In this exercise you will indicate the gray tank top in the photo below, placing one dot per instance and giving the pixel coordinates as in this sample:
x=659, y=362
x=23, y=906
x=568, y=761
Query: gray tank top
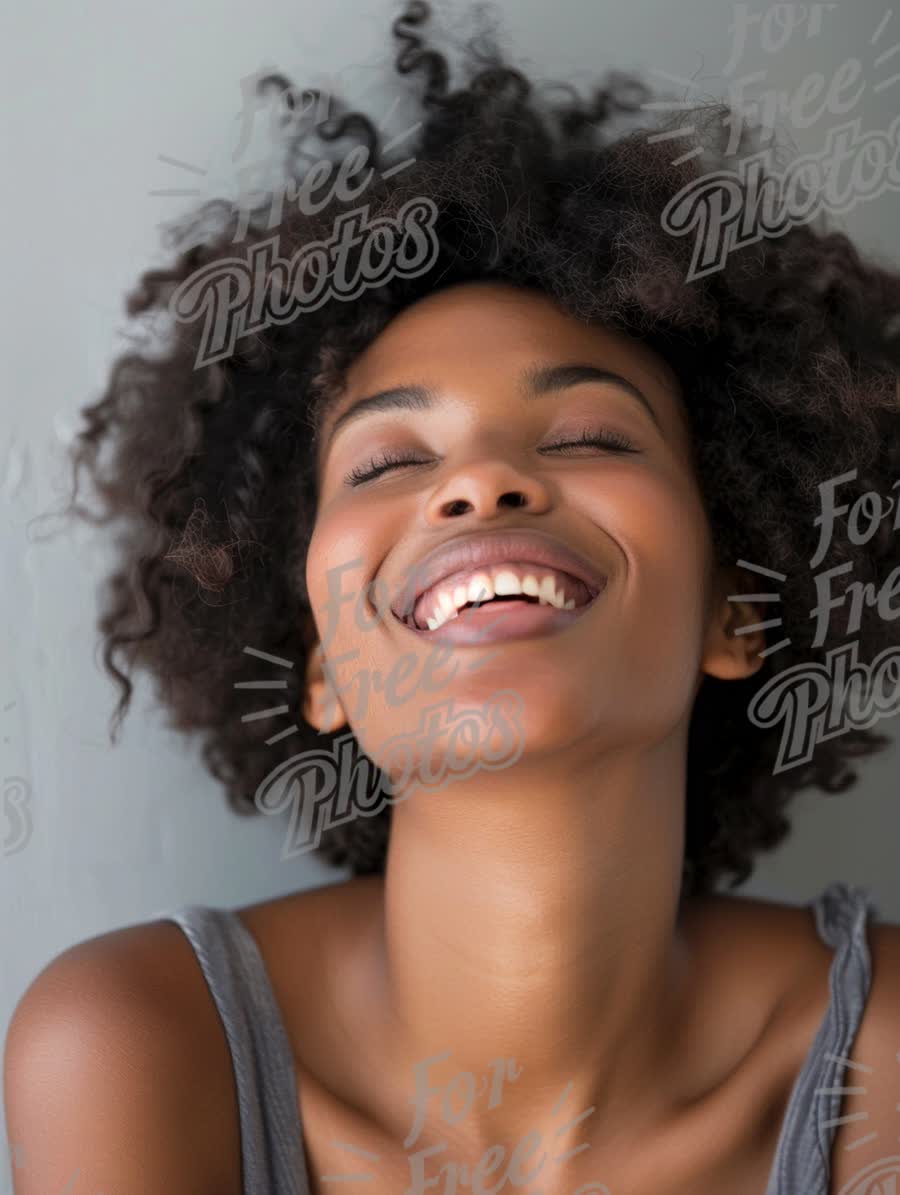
x=273, y=1158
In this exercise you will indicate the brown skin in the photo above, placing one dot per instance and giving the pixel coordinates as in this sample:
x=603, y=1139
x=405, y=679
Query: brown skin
x=762, y=981
x=530, y=912
x=569, y=861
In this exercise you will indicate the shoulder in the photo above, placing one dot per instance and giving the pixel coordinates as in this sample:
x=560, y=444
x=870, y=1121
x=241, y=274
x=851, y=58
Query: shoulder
x=308, y=928
x=777, y=944
x=116, y=1066
x=326, y=932
x=772, y=951
x=763, y=952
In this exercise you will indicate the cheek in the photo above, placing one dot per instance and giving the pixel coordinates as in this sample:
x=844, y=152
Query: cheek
x=340, y=562
x=659, y=523
x=656, y=515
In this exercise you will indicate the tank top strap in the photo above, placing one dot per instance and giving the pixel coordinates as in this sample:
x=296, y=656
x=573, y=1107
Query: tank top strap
x=803, y=1157
x=272, y=1157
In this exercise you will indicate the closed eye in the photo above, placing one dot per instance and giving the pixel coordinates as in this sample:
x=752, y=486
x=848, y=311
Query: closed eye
x=611, y=441
x=380, y=464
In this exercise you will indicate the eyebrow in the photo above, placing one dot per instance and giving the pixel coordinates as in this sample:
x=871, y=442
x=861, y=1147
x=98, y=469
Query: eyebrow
x=536, y=380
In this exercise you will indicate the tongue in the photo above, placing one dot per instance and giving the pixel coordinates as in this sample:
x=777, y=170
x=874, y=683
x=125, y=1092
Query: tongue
x=503, y=601
x=493, y=606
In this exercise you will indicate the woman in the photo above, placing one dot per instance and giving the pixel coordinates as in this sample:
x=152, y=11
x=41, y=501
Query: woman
x=486, y=518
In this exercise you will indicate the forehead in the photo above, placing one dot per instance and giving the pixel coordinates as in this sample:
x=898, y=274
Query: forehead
x=468, y=332
x=489, y=318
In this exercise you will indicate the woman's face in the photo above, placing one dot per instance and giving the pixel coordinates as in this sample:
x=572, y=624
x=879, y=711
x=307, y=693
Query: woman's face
x=491, y=456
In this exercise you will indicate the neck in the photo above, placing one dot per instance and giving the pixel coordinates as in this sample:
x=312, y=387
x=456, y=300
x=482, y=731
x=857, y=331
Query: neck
x=533, y=915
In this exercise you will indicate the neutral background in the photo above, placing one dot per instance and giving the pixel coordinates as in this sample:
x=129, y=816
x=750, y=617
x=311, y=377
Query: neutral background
x=95, y=93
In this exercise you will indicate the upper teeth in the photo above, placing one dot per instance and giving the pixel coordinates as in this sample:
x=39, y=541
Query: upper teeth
x=483, y=586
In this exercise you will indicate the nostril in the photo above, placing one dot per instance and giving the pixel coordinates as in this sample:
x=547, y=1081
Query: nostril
x=459, y=506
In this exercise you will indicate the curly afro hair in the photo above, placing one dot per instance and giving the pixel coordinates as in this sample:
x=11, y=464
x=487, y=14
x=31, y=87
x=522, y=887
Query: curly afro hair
x=787, y=355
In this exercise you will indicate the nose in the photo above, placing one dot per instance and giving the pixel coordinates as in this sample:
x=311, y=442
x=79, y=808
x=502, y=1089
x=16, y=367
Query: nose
x=485, y=487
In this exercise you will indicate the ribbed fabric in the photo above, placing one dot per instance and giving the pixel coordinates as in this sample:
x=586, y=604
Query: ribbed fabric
x=803, y=1157
x=272, y=1155
x=272, y=1159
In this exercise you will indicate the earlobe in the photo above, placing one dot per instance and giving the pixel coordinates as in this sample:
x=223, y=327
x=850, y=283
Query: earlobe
x=322, y=707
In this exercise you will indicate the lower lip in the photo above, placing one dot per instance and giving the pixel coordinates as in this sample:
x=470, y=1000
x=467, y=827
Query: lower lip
x=498, y=621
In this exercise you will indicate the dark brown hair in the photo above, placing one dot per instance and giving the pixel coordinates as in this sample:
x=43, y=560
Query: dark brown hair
x=788, y=357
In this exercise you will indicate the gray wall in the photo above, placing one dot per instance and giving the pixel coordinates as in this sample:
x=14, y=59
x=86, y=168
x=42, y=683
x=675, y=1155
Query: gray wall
x=94, y=93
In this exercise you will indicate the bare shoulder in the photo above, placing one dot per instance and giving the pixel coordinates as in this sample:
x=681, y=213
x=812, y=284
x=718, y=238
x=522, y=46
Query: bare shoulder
x=769, y=928
x=758, y=935
x=298, y=930
x=756, y=916
x=763, y=952
x=116, y=1067
x=325, y=932
x=310, y=931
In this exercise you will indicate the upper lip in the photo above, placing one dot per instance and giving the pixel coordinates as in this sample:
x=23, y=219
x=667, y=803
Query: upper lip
x=475, y=549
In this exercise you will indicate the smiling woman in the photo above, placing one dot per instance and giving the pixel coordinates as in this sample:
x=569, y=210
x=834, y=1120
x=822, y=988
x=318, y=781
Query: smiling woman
x=542, y=476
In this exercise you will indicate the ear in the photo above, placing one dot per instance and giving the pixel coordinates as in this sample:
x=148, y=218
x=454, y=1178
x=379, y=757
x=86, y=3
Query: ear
x=731, y=652
x=322, y=707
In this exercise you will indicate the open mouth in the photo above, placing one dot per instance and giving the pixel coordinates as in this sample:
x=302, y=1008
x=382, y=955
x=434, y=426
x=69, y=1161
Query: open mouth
x=514, y=595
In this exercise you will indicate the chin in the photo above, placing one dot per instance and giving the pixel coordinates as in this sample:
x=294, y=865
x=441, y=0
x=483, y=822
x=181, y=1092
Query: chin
x=474, y=728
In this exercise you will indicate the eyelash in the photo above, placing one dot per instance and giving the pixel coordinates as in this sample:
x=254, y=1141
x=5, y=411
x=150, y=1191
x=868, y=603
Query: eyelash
x=612, y=441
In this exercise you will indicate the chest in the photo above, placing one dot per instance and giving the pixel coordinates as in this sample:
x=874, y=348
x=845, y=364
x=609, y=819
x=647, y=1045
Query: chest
x=344, y=1150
